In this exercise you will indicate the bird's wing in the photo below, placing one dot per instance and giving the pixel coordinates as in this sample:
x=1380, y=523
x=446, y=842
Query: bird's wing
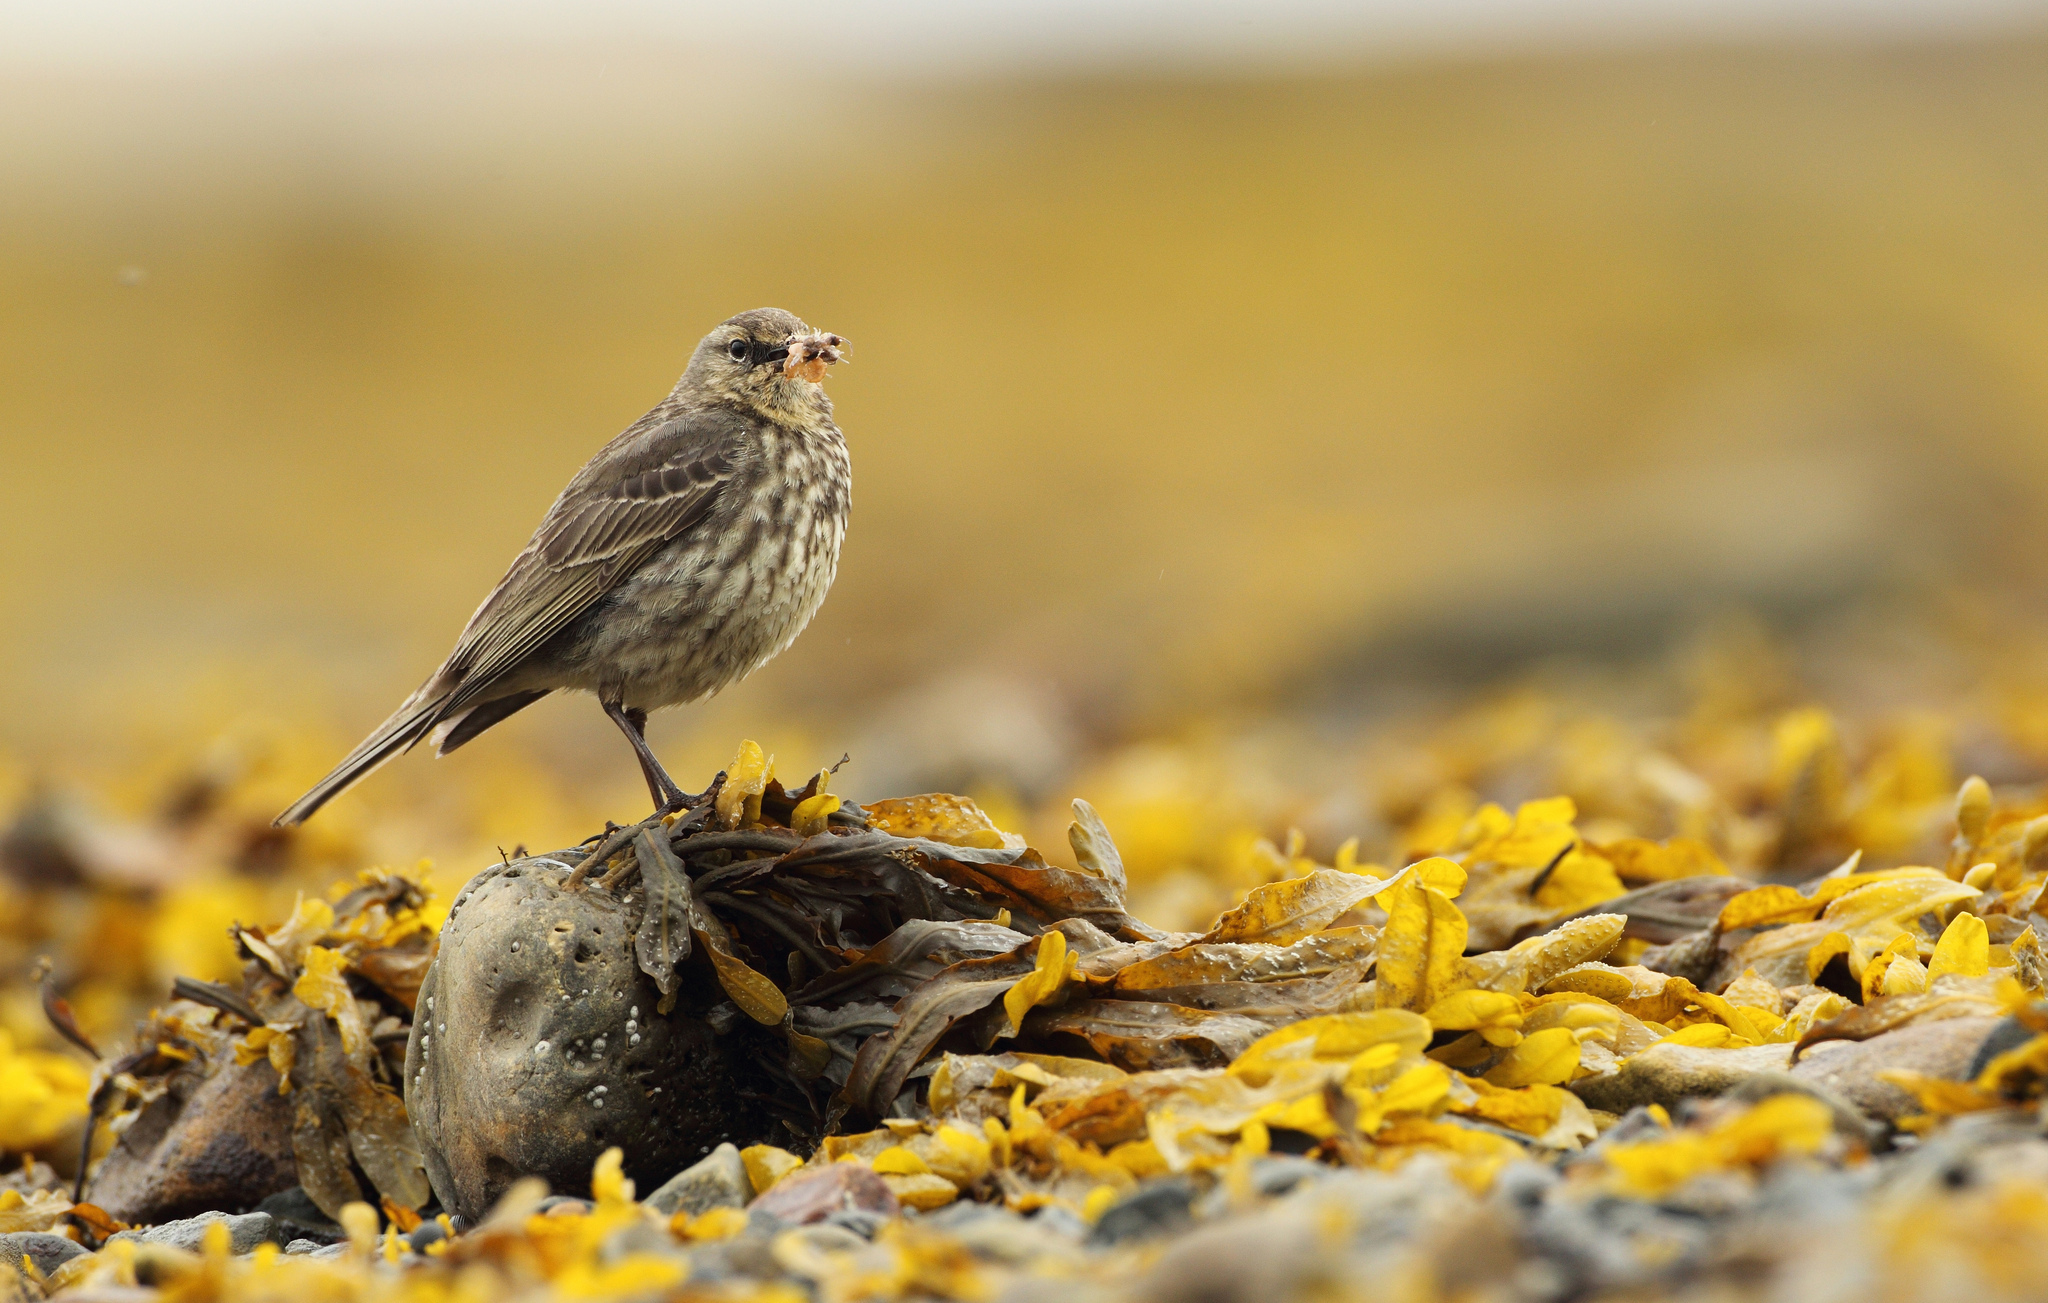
x=641, y=492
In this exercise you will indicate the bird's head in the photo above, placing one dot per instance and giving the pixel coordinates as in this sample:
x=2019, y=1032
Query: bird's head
x=768, y=359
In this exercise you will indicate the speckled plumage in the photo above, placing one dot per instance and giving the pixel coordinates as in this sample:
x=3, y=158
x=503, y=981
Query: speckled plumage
x=687, y=553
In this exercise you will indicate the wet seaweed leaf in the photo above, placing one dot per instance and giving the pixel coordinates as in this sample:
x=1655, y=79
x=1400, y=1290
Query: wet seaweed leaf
x=662, y=941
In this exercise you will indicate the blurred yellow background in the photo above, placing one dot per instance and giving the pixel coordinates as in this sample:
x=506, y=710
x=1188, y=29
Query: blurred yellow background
x=1181, y=400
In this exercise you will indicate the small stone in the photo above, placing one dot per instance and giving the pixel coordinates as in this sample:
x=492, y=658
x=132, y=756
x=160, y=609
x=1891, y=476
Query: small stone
x=1156, y=1208
x=301, y=1247
x=298, y=1217
x=244, y=1232
x=47, y=1251
x=864, y=1224
x=1665, y=1074
x=827, y=1238
x=220, y=1141
x=563, y=1205
x=428, y=1232
x=811, y=1195
x=1946, y=1048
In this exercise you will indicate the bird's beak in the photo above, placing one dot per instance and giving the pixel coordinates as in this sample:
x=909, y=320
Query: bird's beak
x=809, y=355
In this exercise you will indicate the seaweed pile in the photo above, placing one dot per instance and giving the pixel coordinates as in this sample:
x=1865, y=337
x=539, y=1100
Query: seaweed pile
x=1535, y=1064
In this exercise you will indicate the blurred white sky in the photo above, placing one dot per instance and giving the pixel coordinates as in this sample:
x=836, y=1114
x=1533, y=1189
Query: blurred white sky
x=939, y=35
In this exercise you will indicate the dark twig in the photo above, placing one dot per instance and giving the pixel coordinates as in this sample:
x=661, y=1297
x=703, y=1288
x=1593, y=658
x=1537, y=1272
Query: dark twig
x=58, y=1010
x=750, y=839
x=1536, y=883
x=616, y=841
x=217, y=996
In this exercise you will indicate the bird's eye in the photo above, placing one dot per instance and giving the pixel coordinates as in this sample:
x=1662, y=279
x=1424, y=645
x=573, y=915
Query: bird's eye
x=738, y=349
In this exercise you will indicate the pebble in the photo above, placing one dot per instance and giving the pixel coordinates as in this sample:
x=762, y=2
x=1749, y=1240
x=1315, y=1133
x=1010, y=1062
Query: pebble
x=245, y=1232
x=717, y=1181
x=47, y=1251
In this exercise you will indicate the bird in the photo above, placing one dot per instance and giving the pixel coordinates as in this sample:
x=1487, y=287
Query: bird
x=687, y=553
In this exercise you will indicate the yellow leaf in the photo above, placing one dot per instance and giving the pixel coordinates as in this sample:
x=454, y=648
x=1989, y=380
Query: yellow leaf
x=898, y=1161
x=1964, y=949
x=1639, y=860
x=275, y=1042
x=1418, y=1090
x=1782, y=1124
x=1529, y=965
x=936, y=816
x=757, y=997
x=1280, y=913
x=962, y=1157
x=922, y=1191
x=1422, y=947
x=1464, y=1011
x=1531, y=1110
x=1141, y=1158
x=746, y=778
x=1905, y=976
x=1701, y=1035
x=716, y=1224
x=1906, y=943
x=1548, y=1058
x=322, y=986
x=1331, y=1038
x=40, y=1210
x=1772, y=904
x=811, y=814
x=1580, y=881
x=634, y=1275
x=1939, y=1095
x=1052, y=970
x=766, y=1165
x=608, y=1184
x=1824, y=951
x=1539, y=830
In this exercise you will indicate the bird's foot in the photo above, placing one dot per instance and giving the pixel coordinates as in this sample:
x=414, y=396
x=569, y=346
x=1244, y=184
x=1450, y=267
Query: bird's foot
x=676, y=803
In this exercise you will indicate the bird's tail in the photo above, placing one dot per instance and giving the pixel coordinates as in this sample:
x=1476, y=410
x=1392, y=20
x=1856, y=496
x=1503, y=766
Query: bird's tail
x=407, y=725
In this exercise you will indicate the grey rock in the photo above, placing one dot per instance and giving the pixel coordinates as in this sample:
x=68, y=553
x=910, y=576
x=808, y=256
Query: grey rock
x=1946, y=1048
x=966, y=1212
x=1013, y=1240
x=424, y=1234
x=537, y=1045
x=295, y=1205
x=1665, y=1074
x=718, y=1180
x=2010, y=1034
x=206, y=1143
x=1271, y=1175
x=301, y=1247
x=861, y=1222
x=298, y=1217
x=1155, y=1208
x=1277, y=1174
x=826, y=1238
x=1056, y=1220
x=813, y=1194
x=563, y=1205
x=47, y=1251
x=245, y=1232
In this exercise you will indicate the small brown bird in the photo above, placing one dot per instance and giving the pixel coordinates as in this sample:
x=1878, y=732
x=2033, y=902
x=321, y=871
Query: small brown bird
x=690, y=551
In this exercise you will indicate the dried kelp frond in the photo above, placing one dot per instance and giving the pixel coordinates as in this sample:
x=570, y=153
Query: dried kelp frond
x=325, y=1000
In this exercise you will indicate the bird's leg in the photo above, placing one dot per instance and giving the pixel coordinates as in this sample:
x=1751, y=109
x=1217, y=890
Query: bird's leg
x=664, y=791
